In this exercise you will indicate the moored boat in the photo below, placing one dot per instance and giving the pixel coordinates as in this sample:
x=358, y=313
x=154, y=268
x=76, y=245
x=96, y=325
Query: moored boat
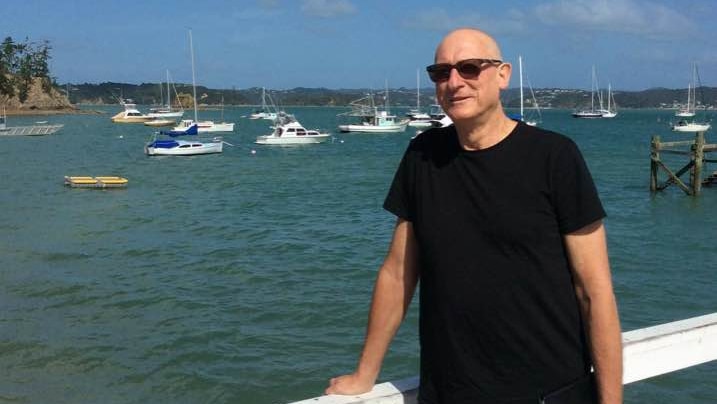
x=130, y=114
x=288, y=131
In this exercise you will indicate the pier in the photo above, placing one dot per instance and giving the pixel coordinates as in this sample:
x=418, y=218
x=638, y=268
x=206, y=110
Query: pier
x=697, y=150
x=647, y=352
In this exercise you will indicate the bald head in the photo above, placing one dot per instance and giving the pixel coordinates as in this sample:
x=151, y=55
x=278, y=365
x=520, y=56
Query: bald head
x=467, y=40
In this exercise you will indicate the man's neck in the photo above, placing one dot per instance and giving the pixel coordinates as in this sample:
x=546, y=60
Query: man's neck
x=484, y=132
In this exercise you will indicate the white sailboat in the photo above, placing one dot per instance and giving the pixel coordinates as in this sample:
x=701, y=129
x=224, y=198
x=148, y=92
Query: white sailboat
x=417, y=118
x=593, y=112
x=166, y=111
x=265, y=112
x=688, y=110
x=178, y=147
x=532, y=121
x=611, y=110
x=694, y=125
x=202, y=126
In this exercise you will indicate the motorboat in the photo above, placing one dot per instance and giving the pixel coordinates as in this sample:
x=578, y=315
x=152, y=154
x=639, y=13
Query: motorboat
x=684, y=126
x=130, y=114
x=371, y=118
x=288, y=131
x=206, y=126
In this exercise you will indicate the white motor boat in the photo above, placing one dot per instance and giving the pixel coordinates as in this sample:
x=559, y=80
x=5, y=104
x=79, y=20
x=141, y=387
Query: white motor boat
x=288, y=131
x=378, y=122
x=684, y=126
x=130, y=114
x=206, y=126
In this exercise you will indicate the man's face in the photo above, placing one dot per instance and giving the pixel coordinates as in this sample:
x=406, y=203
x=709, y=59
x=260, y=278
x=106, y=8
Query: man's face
x=467, y=97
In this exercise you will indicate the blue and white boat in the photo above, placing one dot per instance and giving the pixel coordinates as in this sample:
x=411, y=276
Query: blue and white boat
x=179, y=147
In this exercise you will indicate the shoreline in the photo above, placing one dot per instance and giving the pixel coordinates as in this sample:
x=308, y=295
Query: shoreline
x=63, y=111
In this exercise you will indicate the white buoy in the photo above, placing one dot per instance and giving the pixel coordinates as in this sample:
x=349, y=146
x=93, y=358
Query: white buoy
x=253, y=152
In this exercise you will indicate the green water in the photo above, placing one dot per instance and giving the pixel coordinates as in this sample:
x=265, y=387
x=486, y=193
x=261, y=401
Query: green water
x=245, y=277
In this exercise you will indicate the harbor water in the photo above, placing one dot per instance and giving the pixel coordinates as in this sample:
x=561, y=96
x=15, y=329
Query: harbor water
x=245, y=277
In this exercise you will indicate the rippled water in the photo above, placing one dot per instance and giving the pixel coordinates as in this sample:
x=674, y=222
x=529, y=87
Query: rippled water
x=245, y=277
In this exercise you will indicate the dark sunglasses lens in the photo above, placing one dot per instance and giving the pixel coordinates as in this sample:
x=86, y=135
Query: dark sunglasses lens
x=439, y=72
x=468, y=70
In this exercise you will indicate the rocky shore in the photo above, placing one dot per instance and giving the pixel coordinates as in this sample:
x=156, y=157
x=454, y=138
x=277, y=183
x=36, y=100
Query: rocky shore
x=39, y=102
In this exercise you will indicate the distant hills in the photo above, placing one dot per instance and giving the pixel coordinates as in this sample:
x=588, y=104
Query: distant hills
x=149, y=93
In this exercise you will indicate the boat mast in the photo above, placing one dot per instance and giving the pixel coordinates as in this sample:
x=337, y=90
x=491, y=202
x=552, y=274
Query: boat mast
x=520, y=70
x=418, y=92
x=169, y=95
x=194, y=84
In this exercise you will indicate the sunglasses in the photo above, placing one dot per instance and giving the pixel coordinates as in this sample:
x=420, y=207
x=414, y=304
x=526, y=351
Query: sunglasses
x=469, y=69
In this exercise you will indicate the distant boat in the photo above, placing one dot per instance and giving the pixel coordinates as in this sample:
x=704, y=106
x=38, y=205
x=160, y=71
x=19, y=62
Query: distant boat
x=264, y=112
x=130, y=114
x=177, y=147
x=288, y=131
x=694, y=125
x=611, y=110
x=417, y=118
x=688, y=110
x=203, y=126
x=166, y=111
x=533, y=121
x=371, y=118
x=32, y=130
x=593, y=112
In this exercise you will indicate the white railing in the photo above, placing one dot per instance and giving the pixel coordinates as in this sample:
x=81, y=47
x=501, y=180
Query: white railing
x=647, y=352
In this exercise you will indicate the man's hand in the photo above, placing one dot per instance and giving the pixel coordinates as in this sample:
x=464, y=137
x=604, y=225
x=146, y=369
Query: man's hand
x=349, y=385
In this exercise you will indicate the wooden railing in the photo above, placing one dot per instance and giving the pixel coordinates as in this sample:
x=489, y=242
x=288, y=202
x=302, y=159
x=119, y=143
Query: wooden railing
x=647, y=352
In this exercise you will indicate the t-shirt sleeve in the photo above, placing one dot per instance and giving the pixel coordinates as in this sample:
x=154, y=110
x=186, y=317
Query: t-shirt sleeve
x=398, y=200
x=573, y=191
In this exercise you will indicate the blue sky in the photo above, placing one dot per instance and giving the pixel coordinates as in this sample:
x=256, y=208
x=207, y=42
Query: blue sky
x=279, y=44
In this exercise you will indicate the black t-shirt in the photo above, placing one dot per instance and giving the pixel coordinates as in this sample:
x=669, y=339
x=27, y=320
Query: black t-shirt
x=499, y=320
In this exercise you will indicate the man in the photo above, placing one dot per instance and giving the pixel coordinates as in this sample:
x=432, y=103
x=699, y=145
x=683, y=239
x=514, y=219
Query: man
x=502, y=224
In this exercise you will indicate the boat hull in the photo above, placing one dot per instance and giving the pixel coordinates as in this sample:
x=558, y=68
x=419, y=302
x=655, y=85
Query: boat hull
x=373, y=128
x=184, y=148
x=291, y=140
x=692, y=127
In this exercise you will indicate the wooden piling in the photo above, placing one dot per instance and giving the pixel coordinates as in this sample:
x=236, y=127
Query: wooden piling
x=695, y=165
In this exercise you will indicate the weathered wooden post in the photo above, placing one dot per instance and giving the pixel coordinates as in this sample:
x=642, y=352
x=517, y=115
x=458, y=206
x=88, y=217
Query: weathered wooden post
x=698, y=155
x=654, y=158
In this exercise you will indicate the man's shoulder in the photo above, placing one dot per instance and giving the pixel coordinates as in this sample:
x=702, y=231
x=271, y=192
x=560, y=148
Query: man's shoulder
x=434, y=138
x=544, y=138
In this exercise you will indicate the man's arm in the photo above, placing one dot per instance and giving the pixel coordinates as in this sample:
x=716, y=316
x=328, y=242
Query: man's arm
x=587, y=251
x=395, y=283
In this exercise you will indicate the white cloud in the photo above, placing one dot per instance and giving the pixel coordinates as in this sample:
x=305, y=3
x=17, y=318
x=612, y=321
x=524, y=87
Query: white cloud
x=327, y=8
x=624, y=16
x=438, y=19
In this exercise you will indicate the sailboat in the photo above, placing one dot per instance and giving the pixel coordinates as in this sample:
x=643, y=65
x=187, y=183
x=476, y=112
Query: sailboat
x=531, y=122
x=176, y=147
x=166, y=111
x=693, y=126
x=592, y=112
x=688, y=110
x=203, y=126
x=611, y=110
x=264, y=112
x=417, y=118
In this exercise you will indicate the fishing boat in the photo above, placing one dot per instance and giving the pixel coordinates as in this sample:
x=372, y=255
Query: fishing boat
x=130, y=114
x=203, y=126
x=166, y=111
x=371, y=118
x=288, y=131
x=265, y=112
x=31, y=130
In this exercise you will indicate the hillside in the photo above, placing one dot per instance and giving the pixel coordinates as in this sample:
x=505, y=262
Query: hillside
x=37, y=100
x=149, y=93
